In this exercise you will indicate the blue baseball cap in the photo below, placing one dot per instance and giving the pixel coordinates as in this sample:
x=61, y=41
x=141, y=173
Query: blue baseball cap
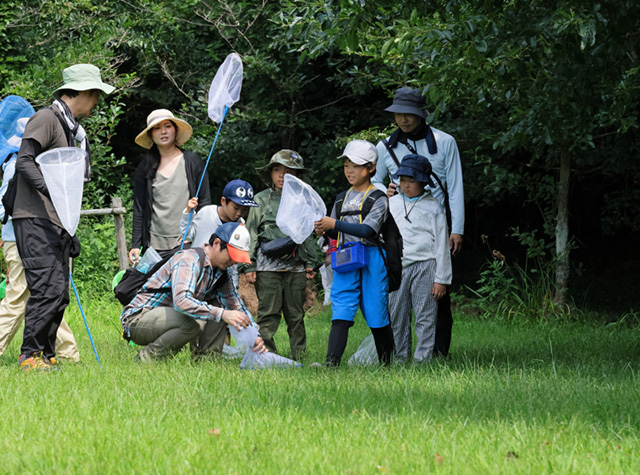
x=416, y=167
x=239, y=191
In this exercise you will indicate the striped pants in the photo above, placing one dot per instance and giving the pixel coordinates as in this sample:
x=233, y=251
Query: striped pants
x=414, y=292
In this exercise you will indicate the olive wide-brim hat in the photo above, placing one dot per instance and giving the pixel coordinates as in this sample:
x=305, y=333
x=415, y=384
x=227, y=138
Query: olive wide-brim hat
x=409, y=101
x=288, y=158
x=183, y=132
x=82, y=77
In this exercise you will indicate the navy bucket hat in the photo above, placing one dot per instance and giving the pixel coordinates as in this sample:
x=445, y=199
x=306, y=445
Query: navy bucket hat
x=416, y=167
x=409, y=101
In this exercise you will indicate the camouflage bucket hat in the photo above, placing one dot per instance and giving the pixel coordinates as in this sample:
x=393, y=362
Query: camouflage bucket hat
x=288, y=158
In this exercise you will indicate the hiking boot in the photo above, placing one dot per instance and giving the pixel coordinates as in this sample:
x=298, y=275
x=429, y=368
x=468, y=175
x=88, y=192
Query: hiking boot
x=53, y=361
x=142, y=357
x=32, y=363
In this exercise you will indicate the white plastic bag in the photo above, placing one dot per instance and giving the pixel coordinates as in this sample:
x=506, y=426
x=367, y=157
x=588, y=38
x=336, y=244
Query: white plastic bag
x=299, y=207
x=366, y=355
x=253, y=359
x=63, y=171
x=233, y=352
x=225, y=87
x=326, y=274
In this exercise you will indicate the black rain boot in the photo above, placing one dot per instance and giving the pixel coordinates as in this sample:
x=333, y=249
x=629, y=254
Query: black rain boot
x=384, y=343
x=337, y=341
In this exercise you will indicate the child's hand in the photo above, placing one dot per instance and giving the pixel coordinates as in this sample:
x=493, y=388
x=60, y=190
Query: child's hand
x=310, y=273
x=324, y=225
x=192, y=204
x=438, y=291
x=251, y=277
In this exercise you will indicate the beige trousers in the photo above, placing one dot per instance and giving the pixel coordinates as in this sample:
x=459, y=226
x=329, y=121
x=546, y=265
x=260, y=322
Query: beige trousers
x=14, y=303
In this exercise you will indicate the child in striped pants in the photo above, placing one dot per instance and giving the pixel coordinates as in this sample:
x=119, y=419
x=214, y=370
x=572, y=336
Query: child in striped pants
x=426, y=260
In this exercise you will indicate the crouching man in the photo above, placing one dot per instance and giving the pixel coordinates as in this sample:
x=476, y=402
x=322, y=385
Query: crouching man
x=163, y=315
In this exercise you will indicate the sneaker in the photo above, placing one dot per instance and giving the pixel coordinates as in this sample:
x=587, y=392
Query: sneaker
x=53, y=361
x=32, y=363
x=142, y=357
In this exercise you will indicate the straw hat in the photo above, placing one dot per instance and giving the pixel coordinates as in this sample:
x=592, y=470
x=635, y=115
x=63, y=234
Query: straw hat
x=82, y=77
x=182, y=134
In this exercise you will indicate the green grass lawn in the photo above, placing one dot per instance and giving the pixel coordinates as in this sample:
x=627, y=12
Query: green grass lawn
x=533, y=398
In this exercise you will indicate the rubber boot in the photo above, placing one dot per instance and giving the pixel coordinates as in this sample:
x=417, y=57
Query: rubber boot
x=337, y=341
x=384, y=343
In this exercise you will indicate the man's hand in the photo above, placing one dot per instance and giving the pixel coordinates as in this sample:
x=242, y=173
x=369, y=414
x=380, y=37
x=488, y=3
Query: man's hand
x=134, y=255
x=236, y=318
x=251, y=277
x=324, y=225
x=259, y=347
x=438, y=291
x=455, y=243
x=391, y=189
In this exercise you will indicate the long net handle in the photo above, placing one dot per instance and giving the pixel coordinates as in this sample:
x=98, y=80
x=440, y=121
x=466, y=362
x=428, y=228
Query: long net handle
x=75, y=291
x=206, y=165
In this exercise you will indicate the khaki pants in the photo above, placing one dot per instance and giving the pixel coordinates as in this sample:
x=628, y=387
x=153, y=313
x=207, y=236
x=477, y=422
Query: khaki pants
x=163, y=331
x=282, y=293
x=13, y=305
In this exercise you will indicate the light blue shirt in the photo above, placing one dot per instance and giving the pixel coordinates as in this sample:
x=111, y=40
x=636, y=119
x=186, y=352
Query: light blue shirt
x=9, y=169
x=445, y=164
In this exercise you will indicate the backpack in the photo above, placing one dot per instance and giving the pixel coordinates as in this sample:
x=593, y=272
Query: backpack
x=133, y=280
x=9, y=198
x=388, y=239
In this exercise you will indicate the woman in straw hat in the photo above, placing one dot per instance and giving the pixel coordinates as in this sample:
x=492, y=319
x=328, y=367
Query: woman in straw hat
x=164, y=182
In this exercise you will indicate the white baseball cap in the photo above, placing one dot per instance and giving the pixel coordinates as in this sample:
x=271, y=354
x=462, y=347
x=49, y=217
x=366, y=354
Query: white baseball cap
x=360, y=152
x=238, y=240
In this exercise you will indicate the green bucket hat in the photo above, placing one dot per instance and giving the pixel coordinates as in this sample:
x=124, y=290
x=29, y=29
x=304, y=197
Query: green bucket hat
x=286, y=157
x=82, y=77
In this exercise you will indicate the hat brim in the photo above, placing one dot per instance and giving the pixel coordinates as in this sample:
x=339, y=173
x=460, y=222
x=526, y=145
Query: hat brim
x=356, y=160
x=243, y=202
x=403, y=109
x=183, y=134
x=416, y=175
x=264, y=173
x=238, y=255
x=84, y=86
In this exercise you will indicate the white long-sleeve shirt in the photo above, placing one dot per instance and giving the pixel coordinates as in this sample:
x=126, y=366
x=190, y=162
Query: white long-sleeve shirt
x=423, y=226
x=445, y=164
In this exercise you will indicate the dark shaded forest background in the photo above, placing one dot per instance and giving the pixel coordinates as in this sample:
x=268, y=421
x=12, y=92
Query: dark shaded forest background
x=529, y=90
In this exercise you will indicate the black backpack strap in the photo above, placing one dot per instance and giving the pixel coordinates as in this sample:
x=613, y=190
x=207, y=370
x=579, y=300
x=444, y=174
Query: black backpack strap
x=70, y=138
x=447, y=207
x=385, y=142
x=338, y=204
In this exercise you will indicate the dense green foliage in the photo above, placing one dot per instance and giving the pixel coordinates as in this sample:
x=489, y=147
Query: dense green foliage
x=537, y=398
x=524, y=86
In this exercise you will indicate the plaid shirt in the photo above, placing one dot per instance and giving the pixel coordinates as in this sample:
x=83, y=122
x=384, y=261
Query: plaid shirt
x=191, y=292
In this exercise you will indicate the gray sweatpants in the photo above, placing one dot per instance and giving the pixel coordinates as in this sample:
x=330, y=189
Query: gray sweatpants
x=414, y=292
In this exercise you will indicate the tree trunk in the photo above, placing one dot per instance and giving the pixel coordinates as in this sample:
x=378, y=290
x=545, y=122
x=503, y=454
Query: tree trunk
x=562, y=232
